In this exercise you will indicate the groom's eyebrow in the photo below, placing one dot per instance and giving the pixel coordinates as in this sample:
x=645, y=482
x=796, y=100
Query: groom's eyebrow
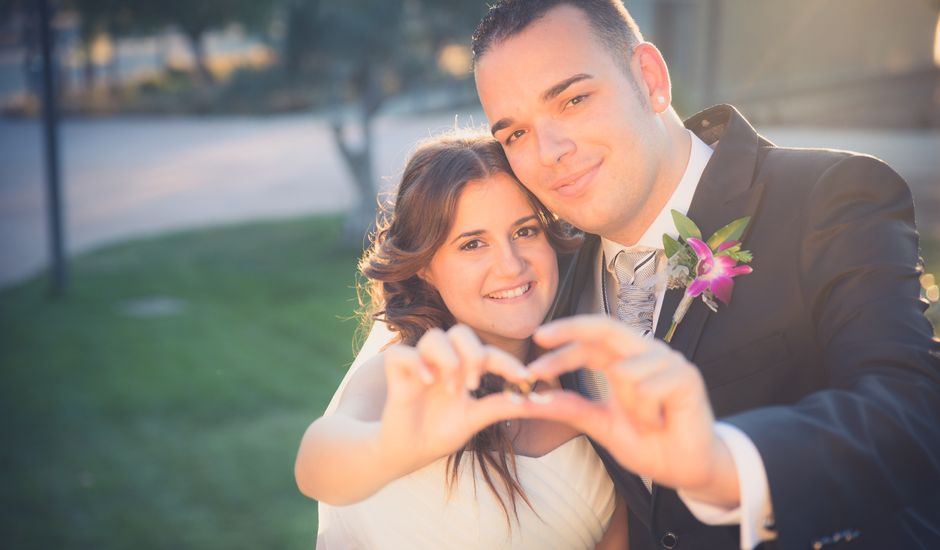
x=557, y=89
x=548, y=95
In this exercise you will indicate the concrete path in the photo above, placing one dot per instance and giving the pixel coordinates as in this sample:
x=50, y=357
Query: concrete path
x=129, y=177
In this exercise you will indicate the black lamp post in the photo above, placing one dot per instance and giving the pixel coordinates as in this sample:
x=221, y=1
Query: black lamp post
x=51, y=138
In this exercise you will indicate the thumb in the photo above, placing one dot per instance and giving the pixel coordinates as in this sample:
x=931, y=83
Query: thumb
x=493, y=408
x=569, y=408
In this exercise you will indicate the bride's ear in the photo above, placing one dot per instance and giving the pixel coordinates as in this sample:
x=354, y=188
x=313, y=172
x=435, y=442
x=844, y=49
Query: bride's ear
x=425, y=276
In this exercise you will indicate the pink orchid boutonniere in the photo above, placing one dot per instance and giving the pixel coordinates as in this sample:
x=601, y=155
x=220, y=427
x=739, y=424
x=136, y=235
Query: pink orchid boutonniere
x=704, y=268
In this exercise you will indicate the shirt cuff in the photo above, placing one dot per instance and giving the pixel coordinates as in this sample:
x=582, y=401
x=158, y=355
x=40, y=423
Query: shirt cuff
x=755, y=514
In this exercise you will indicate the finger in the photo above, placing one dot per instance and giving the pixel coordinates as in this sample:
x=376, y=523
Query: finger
x=435, y=349
x=554, y=363
x=595, y=329
x=573, y=356
x=494, y=407
x=504, y=364
x=672, y=390
x=471, y=353
x=570, y=408
x=643, y=385
x=404, y=361
x=634, y=369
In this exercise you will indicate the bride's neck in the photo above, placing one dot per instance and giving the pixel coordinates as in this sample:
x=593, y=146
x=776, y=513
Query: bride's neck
x=517, y=348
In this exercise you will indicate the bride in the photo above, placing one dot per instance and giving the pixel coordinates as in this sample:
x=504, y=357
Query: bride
x=420, y=447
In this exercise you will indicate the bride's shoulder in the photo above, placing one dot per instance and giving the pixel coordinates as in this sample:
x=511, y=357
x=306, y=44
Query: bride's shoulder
x=362, y=394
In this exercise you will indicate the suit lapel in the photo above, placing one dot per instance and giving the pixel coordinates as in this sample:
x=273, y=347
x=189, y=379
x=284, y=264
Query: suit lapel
x=726, y=191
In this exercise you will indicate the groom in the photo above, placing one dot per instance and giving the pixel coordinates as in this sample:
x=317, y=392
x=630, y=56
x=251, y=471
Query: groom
x=822, y=370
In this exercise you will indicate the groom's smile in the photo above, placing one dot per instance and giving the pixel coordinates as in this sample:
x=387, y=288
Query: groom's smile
x=576, y=183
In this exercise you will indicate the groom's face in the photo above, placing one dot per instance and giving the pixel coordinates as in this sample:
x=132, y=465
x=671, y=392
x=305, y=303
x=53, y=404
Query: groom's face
x=574, y=121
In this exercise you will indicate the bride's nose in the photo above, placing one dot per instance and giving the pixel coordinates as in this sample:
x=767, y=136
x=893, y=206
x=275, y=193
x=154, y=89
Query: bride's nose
x=509, y=262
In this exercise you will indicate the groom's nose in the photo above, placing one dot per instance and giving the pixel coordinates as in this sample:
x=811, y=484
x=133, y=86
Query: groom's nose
x=553, y=142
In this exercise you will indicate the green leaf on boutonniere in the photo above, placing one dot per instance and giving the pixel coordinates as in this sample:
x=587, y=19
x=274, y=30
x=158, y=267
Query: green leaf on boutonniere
x=742, y=256
x=670, y=246
x=687, y=228
x=730, y=232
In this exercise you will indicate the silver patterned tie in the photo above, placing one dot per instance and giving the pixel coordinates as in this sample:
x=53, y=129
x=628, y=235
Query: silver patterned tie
x=636, y=301
x=636, y=289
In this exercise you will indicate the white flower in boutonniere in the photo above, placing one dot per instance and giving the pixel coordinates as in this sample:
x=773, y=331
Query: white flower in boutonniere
x=704, y=268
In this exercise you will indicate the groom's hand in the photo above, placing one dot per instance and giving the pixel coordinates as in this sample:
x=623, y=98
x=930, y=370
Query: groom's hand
x=657, y=421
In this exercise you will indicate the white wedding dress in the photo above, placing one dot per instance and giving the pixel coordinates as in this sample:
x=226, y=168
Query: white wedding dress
x=571, y=494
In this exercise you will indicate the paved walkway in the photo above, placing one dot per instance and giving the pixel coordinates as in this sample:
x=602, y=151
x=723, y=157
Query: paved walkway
x=128, y=177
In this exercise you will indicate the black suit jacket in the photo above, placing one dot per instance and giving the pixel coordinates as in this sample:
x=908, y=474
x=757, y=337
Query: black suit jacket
x=824, y=357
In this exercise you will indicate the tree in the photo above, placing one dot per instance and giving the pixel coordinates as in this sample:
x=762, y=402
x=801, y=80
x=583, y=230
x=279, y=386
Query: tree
x=196, y=18
x=114, y=18
x=368, y=51
x=364, y=52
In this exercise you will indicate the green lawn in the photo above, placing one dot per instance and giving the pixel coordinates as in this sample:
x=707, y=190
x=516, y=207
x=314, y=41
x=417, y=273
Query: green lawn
x=176, y=431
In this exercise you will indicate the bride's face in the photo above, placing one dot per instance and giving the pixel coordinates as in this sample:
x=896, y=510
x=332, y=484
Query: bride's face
x=496, y=270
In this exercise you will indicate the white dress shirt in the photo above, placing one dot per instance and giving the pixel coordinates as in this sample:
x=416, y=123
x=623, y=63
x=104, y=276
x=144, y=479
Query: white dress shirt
x=756, y=510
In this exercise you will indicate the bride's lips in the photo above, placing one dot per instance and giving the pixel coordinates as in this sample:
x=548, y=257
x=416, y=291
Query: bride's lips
x=574, y=184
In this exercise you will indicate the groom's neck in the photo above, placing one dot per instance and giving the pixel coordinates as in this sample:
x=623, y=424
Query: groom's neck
x=674, y=161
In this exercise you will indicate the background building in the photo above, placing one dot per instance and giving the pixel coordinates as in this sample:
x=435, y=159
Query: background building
x=825, y=62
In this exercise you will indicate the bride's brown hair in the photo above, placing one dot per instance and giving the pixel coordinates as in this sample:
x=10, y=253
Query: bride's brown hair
x=408, y=232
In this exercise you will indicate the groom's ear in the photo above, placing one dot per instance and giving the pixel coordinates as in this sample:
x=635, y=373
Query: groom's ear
x=652, y=76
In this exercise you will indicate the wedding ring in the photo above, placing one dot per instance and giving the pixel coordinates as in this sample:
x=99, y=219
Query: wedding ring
x=523, y=388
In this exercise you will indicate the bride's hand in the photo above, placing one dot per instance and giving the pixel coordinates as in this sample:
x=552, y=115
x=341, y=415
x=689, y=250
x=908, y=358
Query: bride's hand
x=429, y=411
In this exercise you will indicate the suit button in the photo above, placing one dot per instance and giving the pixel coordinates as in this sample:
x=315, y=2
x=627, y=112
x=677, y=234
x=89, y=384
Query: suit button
x=669, y=541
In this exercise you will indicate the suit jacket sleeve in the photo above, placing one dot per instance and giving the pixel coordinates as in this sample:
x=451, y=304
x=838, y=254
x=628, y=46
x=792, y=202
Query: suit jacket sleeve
x=868, y=445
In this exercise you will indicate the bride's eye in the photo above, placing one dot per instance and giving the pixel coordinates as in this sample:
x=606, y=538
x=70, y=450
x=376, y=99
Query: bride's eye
x=471, y=244
x=528, y=231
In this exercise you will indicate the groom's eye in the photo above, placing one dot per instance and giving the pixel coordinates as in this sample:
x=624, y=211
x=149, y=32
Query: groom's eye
x=514, y=136
x=576, y=100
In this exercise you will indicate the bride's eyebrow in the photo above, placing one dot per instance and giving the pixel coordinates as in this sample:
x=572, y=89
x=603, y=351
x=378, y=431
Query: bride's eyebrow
x=465, y=234
x=478, y=232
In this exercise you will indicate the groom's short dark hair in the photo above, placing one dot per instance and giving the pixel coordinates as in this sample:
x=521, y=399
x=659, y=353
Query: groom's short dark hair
x=612, y=23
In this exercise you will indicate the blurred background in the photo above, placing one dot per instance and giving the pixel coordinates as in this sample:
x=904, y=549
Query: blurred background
x=217, y=165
